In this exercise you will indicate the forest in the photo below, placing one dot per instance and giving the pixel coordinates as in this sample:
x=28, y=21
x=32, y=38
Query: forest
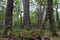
x=29, y=19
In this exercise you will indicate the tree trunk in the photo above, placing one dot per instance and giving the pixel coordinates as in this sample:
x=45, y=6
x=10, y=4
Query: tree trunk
x=26, y=14
x=50, y=16
x=41, y=15
x=8, y=16
x=57, y=17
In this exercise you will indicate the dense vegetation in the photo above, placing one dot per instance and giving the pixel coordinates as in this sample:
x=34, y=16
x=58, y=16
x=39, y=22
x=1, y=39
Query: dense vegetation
x=29, y=19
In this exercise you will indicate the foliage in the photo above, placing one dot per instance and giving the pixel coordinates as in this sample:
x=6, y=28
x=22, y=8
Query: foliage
x=18, y=14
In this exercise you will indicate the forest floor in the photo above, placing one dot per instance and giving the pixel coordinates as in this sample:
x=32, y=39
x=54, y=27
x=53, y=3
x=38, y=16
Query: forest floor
x=21, y=34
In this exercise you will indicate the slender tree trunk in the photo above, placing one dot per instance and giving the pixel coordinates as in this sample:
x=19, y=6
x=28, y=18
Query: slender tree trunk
x=26, y=14
x=40, y=14
x=50, y=16
x=8, y=16
x=57, y=17
x=40, y=17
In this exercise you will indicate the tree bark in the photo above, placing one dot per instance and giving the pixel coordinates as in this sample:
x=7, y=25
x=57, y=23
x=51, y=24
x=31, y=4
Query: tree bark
x=8, y=16
x=50, y=16
x=26, y=14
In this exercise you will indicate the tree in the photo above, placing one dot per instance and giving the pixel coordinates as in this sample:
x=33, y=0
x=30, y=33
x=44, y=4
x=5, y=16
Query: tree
x=8, y=16
x=40, y=14
x=2, y=12
x=49, y=13
x=26, y=13
x=57, y=14
x=41, y=9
